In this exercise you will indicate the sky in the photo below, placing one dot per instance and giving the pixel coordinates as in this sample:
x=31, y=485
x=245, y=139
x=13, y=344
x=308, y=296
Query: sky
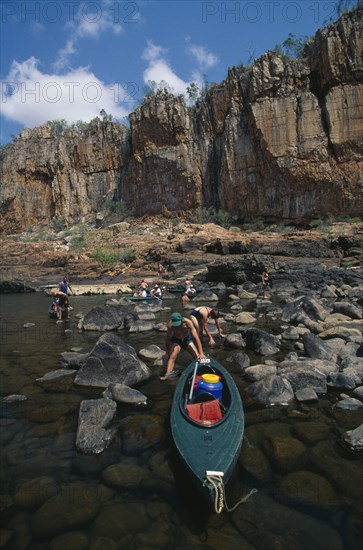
x=70, y=59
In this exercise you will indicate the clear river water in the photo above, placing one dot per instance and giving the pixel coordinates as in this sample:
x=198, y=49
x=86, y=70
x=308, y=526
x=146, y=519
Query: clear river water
x=155, y=507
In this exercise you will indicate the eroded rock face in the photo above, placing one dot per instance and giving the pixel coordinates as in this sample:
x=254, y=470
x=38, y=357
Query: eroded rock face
x=280, y=140
x=45, y=176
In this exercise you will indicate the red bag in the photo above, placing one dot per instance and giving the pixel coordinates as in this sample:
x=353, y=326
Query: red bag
x=208, y=412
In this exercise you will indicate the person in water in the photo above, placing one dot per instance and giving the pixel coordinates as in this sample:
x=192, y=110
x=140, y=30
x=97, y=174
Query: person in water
x=64, y=287
x=61, y=306
x=189, y=292
x=200, y=317
x=181, y=334
x=61, y=298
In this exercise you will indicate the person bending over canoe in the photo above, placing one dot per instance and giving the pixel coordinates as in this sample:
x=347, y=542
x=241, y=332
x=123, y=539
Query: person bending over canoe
x=200, y=316
x=181, y=334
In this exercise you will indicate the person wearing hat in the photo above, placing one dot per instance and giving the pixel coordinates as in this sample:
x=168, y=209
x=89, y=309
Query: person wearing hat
x=156, y=291
x=181, y=334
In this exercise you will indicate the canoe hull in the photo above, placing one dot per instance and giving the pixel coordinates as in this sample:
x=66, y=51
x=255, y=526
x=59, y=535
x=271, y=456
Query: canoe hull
x=141, y=299
x=213, y=447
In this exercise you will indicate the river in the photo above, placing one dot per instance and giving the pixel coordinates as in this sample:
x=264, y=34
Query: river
x=38, y=437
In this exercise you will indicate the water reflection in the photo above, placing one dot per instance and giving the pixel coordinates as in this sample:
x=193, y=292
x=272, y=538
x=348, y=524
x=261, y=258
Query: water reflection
x=136, y=494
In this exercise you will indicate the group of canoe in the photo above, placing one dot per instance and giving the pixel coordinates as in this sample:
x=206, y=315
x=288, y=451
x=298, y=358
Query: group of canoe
x=156, y=292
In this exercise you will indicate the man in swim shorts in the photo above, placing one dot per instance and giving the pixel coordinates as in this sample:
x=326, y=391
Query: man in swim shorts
x=181, y=334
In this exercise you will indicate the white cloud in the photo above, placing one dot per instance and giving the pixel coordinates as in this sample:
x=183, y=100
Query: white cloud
x=90, y=21
x=204, y=58
x=63, y=56
x=159, y=70
x=31, y=97
x=153, y=52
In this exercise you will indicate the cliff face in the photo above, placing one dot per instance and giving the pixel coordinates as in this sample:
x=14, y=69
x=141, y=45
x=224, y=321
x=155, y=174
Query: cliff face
x=279, y=140
x=66, y=177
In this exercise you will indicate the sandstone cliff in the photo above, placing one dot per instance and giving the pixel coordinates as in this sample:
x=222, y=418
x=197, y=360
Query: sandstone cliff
x=280, y=140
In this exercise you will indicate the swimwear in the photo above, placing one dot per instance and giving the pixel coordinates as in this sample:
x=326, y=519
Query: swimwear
x=63, y=287
x=183, y=343
x=197, y=314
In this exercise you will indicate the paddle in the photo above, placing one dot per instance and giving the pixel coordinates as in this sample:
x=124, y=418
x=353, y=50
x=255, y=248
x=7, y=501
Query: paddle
x=193, y=379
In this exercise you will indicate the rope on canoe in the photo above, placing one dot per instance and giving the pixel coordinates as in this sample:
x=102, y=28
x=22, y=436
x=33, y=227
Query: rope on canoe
x=220, y=500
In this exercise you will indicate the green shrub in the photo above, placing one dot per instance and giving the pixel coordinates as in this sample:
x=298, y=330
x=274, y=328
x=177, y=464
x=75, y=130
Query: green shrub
x=78, y=242
x=256, y=226
x=127, y=256
x=106, y=258
x=120, y=208
x=223, y=218
x=58, y=224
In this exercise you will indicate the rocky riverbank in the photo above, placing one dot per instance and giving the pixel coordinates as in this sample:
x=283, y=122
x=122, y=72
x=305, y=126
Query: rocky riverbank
x=297, y=360
x=123, y=253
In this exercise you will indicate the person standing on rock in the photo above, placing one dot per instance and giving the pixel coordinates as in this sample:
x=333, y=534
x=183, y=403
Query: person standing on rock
x=181, y=334
x=200, y=317
x=161, y=270
x=264, y=279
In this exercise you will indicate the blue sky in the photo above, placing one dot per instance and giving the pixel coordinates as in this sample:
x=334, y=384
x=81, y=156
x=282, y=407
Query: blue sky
x=68, y=59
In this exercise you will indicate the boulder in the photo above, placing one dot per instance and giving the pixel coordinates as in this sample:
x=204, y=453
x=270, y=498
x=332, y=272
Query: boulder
x=112, y=361
x=271, y=390
x=103, y=318
x=245, y=318
x=205, y=296
x=260, y=341
x=257, y=372
x=234, y=341
x=313, y=309
x=152, y=352
x=316, y=348
x=346, y=308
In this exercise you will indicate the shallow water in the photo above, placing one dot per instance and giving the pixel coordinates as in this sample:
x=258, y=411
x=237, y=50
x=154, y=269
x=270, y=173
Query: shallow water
x=162, y=510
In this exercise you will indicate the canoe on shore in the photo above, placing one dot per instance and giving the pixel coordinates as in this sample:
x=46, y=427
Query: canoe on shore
x=207, y=432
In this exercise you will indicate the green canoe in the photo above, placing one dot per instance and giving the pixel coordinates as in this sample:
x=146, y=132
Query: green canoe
x=207, y=449
x=181, y=289
x=145, y=299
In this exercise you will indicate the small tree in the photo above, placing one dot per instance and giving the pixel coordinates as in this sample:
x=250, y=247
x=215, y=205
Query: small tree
x=58, y=126
x=294, y=46
x=193, y=92
x=150, y=88
x=105, y=116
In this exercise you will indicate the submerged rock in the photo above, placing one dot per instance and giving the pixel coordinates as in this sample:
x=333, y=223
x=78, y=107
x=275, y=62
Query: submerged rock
x=354, y=438
x=124, y=394
x=94, y=416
